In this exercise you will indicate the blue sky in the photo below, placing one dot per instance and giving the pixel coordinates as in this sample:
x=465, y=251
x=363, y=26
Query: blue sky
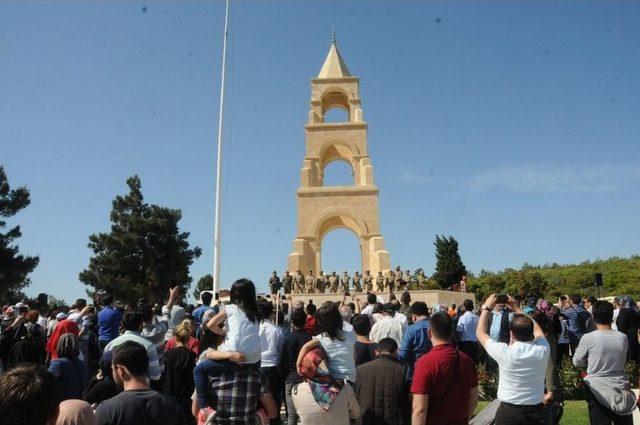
x=511, y=125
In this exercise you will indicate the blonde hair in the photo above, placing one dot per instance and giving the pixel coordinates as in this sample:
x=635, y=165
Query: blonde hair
x=182, y=332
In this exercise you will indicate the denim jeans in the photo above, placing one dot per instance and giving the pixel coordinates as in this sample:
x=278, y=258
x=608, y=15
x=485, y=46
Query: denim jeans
x=292, y=416
x=201, y=377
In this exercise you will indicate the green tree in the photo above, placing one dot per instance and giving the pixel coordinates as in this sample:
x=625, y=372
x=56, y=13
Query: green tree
x=144, y=254
x=449, y=266
x=205, y=283
x=14, y=267
x=526, y=283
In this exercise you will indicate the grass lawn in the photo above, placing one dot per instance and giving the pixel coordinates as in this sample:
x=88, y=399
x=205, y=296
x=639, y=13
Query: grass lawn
x=575, y=412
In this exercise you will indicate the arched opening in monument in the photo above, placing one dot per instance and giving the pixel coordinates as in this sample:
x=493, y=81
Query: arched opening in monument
x=338, y=173
x=341, y=251
x=335, y=107
x=336, y=115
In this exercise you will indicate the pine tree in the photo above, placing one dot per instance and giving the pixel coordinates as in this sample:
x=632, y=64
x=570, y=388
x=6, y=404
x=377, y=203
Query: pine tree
x=144, y=254
x=205, y=283
x=449, y=266
x=14, y=267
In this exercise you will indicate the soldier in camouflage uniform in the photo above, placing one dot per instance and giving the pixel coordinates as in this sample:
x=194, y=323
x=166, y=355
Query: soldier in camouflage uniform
x=390, y=281
x=406, y=279
x=333, y=282
x=368, y=281
x=274, y=283
x=357, y=277
x=422, y=279
x=287, y=280
x=344, y=282
x=310, y=283
x=380, y=282
x=397, y=278
x=298, y=283
x=320, y=283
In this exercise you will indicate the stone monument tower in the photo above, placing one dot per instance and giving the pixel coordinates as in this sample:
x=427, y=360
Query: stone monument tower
x=321, y=208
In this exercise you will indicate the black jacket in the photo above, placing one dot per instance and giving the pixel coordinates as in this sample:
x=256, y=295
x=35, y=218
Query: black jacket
x=382, y=391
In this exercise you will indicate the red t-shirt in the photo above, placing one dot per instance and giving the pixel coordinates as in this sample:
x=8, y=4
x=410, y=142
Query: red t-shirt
x=434, y=375
x=191, y=345
x=311, y=326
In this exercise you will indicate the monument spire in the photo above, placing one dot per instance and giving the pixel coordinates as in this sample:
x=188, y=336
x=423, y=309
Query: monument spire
x=334, y=66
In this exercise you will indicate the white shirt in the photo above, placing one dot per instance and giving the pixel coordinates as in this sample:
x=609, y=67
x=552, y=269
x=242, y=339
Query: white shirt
x=271, y=338
x=346, y=326
x=368, y=309
x=467, y=325
x=387, y=327
x=403, y=321
x=340, y=356
x=522, y=370
x=242, y=334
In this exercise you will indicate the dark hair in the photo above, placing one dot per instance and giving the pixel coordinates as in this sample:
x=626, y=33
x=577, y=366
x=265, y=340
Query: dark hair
x=419, y=308
x=441, y=325
x=329, y=320
x=602, y=312
x=243, y=294
x=563, y=298
x=387, y=345
x=146, y=312
x=405, y=298
x=107, y=300
x=132, y=320
x=133, y=356
x=371, y=298
x=389, y=308
x=522, y=327
x=209, y=339
x=311, y=309
x=299, y=318
x=468, y=305
x=80, y=303
x=265, y=308
x=377, y=308
x=542, y=321
x=352, y=306
x=575, y=298
x=362, y=324
x=206, y=298
x=29, y=395
x=591, y=299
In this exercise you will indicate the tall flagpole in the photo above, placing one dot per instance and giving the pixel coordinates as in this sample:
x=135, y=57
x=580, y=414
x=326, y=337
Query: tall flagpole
x=216, y=232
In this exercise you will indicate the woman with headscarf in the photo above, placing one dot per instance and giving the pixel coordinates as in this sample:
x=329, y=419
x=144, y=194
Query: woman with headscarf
x=29, y=349
x=70, y=371
x=64, y=327
x=76, y=412
x=322, y=399
x=101, y=387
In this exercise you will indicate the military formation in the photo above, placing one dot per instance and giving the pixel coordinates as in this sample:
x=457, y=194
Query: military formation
x=333, y=283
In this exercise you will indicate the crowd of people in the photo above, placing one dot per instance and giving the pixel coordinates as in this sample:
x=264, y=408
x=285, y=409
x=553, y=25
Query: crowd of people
x=260, y=361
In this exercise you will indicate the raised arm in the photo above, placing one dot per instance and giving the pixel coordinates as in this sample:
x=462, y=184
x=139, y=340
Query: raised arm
x=214, y=323
x=481, y=332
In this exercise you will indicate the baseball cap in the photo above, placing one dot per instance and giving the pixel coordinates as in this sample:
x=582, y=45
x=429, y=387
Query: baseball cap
x=61, y=316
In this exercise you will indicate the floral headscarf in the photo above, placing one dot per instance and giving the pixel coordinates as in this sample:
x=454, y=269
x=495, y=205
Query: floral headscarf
x=324, y=388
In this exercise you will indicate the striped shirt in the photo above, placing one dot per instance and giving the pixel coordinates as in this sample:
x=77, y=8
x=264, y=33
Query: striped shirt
x=155, y=372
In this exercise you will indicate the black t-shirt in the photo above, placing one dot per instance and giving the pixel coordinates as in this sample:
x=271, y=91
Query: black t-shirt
x=100, y=390
x=289, y=354
x=179, y=363
x=140, y=407
x=364, y=352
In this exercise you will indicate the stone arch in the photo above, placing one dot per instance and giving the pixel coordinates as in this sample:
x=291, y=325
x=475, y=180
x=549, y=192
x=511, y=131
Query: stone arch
x=331, y=220
x=326, y=164
x=334, y=97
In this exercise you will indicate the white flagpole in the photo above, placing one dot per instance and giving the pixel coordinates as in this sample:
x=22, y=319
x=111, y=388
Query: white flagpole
x=216, y=234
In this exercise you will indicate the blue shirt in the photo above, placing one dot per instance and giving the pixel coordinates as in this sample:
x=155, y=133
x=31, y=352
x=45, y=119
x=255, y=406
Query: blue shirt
x=577, y=318
x=109, y=323
x=415, y=343
x=71, y=375
x=467, y=325
x=494, y=331
x=199, y=312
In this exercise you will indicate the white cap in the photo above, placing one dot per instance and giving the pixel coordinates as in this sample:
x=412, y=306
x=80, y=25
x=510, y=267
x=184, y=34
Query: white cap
x=61, y=316
x=20, y=305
